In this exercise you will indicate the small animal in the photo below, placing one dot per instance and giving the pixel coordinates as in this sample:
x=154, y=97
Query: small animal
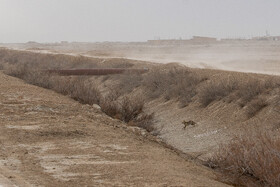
x=188, y=123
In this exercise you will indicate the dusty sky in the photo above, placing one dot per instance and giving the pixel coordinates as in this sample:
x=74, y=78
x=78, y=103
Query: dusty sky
x=135, y=20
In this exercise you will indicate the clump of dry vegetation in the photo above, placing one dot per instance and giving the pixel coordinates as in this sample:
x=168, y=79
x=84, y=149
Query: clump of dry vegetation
x=251, y=159
x=252, y=94
x=128, y=81
x=216, y=90
x=129, y=109
x=173, y=83
x=253, y=88
x=256, y=106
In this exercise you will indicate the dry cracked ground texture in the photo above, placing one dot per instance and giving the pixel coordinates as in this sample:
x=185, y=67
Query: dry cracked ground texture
x=50, y=140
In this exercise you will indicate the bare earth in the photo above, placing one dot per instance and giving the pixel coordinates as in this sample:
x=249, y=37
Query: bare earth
x=50, y=140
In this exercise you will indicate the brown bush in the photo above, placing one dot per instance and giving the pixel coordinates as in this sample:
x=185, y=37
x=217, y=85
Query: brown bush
x=131, y=108
x=128, y=81
x=216, y=90
x=252, y=159
x=109, y=104
x=61, y=85
x=183, y=85
x=256, y=106
x=241, y=92
x=173, y=83
x=253, y=88
x=128, y=109
x=84, y=91
x=156, y=83
x=17, y=70
x=145, y=121
x=38, y=78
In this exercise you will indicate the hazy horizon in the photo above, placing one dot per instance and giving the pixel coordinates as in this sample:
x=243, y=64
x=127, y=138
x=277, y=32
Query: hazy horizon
x=135, y=20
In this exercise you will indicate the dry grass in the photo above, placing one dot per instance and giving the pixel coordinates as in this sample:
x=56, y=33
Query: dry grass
x=252, y=159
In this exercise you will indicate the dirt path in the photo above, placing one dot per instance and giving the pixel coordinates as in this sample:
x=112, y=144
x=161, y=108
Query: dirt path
x=50, y=140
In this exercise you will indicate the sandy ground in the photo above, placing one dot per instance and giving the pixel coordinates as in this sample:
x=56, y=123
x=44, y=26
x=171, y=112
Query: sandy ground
x=254, y=57
x=50, y=140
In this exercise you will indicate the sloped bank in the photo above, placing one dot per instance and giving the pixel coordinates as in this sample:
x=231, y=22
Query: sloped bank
x=222, y=104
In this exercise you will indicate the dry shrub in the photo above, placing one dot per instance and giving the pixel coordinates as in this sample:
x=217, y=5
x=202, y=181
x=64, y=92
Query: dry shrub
x=156, y=83
x=131, y=108
x=18, y=70
x=128, y=109
x=183, y=85
x=84, y=91
x=109, y=104
x=216, y=90
x=242, y=92
x=175, y=83
x=145, y=121
x=61, y=84
x=256, y=106
x=79, y=88
x=252, y=159
x=38, y=78
x=129, y=81
x=253, y=88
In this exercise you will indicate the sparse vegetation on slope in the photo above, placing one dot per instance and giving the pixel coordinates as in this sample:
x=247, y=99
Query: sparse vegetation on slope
x=249, y=93
x=253, y=159
x=128, y=109
x=168, y=81
x=178, y=83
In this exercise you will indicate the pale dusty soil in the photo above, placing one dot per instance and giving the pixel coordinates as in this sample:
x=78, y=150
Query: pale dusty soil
x=50, y=140
x=254, y=57
x=242, y=56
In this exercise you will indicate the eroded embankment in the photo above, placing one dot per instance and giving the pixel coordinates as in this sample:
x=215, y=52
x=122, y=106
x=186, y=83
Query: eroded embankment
x=51, y=140
x=222, y=104
x=219, y=102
